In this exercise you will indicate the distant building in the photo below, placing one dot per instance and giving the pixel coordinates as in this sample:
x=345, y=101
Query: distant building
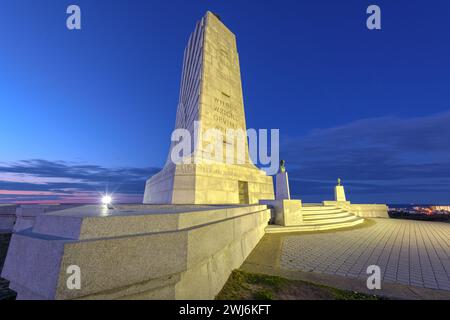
x=440, y=208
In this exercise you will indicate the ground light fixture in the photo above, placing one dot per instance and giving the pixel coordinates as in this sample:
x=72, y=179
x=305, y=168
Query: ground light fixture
x=107, y=200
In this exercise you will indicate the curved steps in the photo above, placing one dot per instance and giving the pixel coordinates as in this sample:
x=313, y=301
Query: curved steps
x=318, y=218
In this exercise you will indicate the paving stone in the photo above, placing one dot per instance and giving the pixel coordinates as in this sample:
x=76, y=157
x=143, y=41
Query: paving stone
x=408, y=252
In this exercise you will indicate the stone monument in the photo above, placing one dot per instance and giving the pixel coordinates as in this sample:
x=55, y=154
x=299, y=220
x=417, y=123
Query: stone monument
x=157, y=250
x=210, y=97
x=339, y=193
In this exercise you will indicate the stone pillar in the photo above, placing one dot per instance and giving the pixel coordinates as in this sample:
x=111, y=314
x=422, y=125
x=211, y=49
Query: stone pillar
x=339, y=193
x=282, y=186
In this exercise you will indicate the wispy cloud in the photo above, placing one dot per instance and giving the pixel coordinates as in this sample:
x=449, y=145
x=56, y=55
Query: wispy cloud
x=382, y=160
x=387, y=160
x=44, y=181
x=30, y=178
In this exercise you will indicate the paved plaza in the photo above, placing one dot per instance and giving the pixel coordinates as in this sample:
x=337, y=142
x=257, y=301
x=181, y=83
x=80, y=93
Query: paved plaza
x=408, y=252
x=414, y=257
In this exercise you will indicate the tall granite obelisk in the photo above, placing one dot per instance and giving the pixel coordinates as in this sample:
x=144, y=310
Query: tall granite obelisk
x=210, y=97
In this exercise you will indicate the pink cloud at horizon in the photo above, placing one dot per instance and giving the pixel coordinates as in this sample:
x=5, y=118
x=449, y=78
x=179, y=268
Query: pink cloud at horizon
x=31, y=193
x=27, y=197
x=34, y=179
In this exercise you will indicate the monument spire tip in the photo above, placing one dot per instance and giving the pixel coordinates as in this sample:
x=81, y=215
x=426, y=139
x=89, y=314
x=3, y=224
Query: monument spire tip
x=216, y=15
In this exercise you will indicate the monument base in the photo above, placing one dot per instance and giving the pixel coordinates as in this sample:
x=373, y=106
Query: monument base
x=133, y=251
x=212, y=183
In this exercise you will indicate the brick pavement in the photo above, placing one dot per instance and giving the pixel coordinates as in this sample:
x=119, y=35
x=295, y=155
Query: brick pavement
x=408, y=252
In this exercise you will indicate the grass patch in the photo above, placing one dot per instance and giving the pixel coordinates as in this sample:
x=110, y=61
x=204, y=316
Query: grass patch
x=243, y=285
x=263, y=294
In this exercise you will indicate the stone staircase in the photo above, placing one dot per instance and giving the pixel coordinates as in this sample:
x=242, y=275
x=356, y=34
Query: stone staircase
x=318, y=217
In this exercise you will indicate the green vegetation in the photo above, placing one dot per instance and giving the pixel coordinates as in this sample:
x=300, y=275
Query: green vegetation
x=250, y=286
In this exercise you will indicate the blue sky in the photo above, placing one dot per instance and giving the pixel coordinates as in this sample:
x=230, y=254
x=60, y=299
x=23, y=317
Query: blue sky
x=81, y=111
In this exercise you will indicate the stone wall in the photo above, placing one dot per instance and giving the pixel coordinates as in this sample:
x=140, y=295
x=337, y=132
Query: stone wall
x=7, y=217
x=362, y=210
x=370, y=210
x=134, y=252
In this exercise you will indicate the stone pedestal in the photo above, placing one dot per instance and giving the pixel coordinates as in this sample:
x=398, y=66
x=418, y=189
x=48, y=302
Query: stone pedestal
x=282, y=186
x=339, y=194
x=285, y=212
x=288, y=212
x=133, y=251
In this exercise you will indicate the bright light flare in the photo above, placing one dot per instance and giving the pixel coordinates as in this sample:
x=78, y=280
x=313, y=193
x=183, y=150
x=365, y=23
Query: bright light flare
x=106, y=200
